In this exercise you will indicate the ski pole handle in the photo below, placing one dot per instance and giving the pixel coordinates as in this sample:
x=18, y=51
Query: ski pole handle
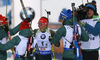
x=73, y=4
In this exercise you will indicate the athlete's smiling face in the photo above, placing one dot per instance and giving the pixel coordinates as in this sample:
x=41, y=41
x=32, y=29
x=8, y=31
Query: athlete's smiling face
x=42, y=26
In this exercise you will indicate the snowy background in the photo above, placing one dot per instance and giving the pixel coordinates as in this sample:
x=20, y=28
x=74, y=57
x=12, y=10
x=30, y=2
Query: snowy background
x=55, y=6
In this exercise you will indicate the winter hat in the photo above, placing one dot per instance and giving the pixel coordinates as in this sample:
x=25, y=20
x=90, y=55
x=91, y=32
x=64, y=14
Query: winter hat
x=91, y=6
x=3, y=20
x=24, y=25
x=43, y=20
x=65, y=14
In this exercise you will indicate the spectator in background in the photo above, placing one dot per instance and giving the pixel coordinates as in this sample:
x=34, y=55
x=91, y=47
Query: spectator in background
x=90, y=49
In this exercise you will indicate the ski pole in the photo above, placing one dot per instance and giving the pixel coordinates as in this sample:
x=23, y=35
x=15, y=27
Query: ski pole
x=48, y=13
x=24, y=10
x=53, y=52
x=13, y=47
x=9, y=32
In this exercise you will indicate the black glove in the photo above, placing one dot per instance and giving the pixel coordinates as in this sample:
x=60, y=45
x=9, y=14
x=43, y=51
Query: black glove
x=50, y=38
x=82, y=23
x=6, y=28
x=29, y=20
x=71, y=45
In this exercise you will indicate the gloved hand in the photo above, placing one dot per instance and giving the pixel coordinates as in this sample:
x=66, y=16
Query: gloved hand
x=50, y=39
x=6, y=28
x=29, y=20
x=25, y=25
x=82, y=23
